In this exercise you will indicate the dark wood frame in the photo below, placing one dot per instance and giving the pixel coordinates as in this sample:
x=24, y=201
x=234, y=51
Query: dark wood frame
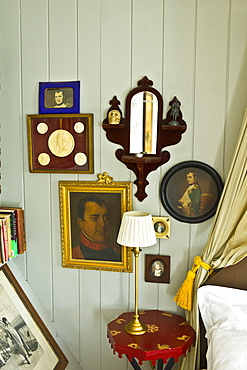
x=150, y=260
x=174, y=184
x=82, y=142
x=44, y=86
x=18, y=297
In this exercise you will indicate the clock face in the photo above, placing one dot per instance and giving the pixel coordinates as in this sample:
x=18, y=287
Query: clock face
x=61, y=143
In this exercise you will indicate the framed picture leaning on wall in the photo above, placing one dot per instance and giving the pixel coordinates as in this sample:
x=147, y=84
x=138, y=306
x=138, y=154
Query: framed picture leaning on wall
x=91, y=214
x=25, y=340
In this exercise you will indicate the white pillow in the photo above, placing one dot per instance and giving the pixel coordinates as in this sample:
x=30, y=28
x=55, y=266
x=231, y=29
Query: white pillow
x=227, y=349
x=223, y=307
x=224, y=313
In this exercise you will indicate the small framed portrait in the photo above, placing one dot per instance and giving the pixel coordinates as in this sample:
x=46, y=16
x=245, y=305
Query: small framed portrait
x=190, y=191
x=91, y=214
x=162, y=227
x=59, y=97
x=26, y=343
x=157, y=268
x=60, y=143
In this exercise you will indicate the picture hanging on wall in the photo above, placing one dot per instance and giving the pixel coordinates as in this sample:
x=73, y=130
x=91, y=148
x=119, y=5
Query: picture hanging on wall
x=60, y=143
x=190, y=191
x=162, y=227
x=26, y=343
x=91, y=214
x=157, y=268
x=59, y=97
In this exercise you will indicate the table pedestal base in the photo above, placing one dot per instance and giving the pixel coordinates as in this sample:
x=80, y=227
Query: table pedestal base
x=167, y=366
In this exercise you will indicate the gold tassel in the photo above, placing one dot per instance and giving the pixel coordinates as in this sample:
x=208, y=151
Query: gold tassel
x=184, y=296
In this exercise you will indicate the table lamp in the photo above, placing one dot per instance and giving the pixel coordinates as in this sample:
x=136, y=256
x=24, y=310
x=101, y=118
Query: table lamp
x=136, y=231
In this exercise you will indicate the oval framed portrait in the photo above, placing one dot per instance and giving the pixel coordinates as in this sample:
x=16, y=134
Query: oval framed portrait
x=190, y=191
x=157, y=268
x=161, y=227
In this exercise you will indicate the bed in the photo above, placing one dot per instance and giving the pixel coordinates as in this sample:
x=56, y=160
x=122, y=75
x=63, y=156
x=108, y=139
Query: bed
x=222, y=301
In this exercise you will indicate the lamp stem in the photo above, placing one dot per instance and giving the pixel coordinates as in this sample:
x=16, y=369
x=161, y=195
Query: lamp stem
x=136, y=254
x=135, y=327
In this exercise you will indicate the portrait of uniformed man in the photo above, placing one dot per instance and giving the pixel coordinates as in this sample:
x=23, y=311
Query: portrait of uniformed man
x=96, y=229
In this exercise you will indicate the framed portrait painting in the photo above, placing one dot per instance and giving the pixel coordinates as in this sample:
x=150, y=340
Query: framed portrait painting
x=161, y=227
x=190, y=191
x=26, y=343
x=157, y=268
x=59, y=97
x=91, y=214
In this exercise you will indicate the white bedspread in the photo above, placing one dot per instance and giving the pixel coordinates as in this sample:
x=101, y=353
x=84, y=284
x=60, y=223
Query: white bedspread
x=224, y=313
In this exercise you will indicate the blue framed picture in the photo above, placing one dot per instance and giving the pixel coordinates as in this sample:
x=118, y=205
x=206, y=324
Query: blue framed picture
x=59, y=97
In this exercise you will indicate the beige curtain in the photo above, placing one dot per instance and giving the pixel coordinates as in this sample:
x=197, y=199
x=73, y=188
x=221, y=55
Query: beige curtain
x=227, y=241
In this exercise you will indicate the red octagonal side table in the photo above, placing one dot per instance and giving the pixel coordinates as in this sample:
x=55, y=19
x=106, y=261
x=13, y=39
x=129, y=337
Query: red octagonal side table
x=168, y=337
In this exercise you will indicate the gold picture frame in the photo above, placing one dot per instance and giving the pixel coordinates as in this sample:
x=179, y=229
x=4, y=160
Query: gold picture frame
x=60, y=143
x=162, y=227
x=82, y=246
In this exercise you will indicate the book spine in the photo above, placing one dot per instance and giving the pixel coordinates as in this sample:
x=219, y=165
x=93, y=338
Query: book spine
x=20, y=227
x=2, y=243
x=13, y=234
x=5, y=240
x=8, y=227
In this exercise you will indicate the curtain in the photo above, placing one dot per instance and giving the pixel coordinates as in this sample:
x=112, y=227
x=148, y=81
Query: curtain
x=227, y=241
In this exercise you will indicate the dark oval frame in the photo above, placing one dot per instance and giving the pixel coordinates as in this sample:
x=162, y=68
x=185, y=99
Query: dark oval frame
x=164, y=261
x=208, y=178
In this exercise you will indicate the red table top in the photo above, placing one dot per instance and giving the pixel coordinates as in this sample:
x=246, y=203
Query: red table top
x=168, y=335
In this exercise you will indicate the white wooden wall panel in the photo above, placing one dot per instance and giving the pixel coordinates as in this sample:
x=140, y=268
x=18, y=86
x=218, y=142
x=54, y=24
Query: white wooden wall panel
x=37, y=203
x=89, y=30
x=210, y=93
x=147, y=52
x=115, y=80
x=179, y=80
x=194, y=50
x=63, y=63
x=89, y=71
x=12, y=177
x=115, y=74
x=212, y=21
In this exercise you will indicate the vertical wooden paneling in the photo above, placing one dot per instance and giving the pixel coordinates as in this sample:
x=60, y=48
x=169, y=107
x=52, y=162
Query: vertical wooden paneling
x=89, y=71
x=89, y=75
x=115, y=74
x=195, y=50
x=115, y=80
x=12, y=167
x=178, y=65
x=210, y=76
x=34, y=44
x=63, y=64
x=210, y=95
x=12, y=179
x=146, y=60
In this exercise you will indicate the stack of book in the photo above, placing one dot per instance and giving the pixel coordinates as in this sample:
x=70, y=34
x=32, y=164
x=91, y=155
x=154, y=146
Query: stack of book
x=12, y=227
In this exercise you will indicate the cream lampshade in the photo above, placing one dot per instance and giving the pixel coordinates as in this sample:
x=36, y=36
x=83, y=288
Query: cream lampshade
x=136, y=231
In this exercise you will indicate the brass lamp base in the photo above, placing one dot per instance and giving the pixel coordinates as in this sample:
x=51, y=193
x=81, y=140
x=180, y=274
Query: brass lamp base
x=135, y=327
